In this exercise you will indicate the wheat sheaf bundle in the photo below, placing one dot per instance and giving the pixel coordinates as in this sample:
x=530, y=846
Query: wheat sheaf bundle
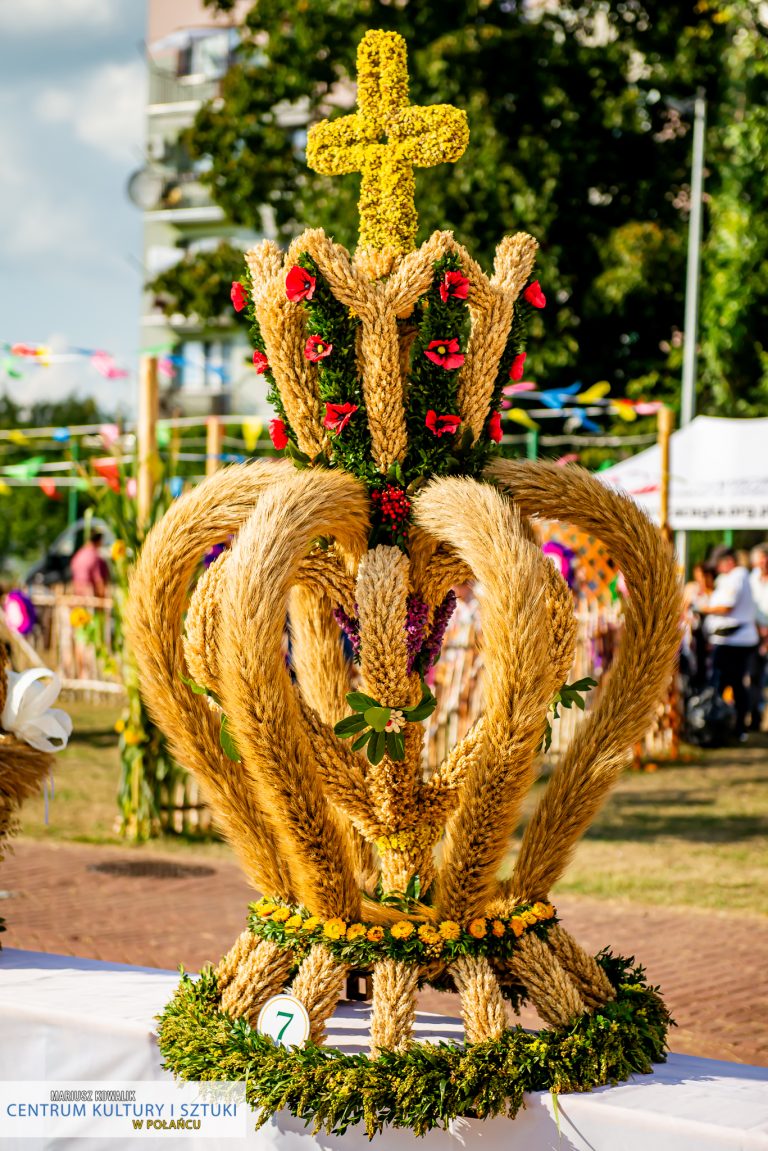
x=387, y=368
x=302, y=810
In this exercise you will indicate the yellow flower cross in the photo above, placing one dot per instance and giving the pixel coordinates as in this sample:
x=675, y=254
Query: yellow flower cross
x=415, y=137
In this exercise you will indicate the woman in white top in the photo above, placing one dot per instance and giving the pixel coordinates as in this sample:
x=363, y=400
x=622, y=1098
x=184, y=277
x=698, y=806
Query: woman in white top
x=729, y=620
x=758, y=582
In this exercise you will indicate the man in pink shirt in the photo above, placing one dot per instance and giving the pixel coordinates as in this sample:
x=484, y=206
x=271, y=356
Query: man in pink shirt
x=90, y=574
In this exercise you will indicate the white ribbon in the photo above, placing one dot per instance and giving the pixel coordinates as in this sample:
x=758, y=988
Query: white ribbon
x=28, y=713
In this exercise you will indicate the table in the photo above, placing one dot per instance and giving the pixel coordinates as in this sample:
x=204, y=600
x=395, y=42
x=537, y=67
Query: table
x=69, y=1018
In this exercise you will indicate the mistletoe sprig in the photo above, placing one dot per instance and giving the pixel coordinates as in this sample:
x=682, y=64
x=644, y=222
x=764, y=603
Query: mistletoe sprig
x=380, y=729
x=568, y=695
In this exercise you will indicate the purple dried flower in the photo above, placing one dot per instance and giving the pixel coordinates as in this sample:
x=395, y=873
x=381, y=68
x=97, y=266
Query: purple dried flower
x=415, y=622
x=435, y=639
x=351, y=628
x=213, y=554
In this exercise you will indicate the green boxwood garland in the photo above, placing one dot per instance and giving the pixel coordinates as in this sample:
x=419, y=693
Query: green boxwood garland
x=428, y=1085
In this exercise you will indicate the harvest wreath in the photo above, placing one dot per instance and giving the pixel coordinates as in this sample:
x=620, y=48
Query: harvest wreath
x=423, y=1086
x=387, y=370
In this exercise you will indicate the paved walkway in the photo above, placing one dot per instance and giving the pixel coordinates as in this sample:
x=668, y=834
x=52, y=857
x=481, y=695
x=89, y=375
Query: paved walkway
x=82, y=900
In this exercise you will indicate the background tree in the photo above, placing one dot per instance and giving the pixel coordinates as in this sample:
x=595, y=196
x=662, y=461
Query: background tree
x=572, y=139
x=199, y=285
x=29, y=519
x=733, y=364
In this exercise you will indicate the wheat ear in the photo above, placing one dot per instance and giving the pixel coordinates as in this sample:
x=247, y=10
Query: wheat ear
x=159, y=587
x=487, y=533
x=257, y=695
x=646, y=657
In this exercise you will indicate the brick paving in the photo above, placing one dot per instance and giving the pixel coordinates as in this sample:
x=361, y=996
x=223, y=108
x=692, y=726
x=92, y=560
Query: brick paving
x=711, y=966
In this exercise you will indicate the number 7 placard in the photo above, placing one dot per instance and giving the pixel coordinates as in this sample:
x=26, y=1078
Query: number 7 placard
x=284, y=1019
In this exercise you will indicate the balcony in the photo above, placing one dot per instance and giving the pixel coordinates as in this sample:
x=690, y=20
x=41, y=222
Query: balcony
x=167, y=90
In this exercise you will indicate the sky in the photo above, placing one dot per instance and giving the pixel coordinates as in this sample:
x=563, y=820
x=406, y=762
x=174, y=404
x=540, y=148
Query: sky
x=72, y=118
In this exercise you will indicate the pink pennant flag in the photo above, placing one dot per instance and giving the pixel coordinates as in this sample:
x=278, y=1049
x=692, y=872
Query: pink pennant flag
x=522, y=386
x=105, y=365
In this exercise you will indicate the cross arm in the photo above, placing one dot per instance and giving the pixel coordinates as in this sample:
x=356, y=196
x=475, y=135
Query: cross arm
x=337, y=147
x=436, y=134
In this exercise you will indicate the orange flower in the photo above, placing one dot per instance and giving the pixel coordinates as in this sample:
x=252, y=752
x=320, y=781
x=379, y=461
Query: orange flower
x=529, y=917
x=428, y=935
x=449, y=930
x=543, y=910
x=517, y=924
x=477, y=928
x=375, y=934
x=334, y=929
x=498, y=928
x=402, y=930
x=355, y=931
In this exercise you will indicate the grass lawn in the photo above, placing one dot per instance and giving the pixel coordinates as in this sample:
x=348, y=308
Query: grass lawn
x=691, y=834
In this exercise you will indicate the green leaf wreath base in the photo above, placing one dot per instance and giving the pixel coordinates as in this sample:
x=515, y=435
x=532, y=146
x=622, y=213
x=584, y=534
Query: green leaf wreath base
x=429, y=1084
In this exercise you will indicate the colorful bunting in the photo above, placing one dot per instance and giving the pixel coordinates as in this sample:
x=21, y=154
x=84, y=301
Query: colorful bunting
x=27, y=469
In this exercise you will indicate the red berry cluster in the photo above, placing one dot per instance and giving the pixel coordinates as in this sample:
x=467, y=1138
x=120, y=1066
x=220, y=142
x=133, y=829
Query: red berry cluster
x=393, y=504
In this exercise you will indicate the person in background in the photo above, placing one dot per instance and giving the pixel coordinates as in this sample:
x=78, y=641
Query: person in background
x=758, y=582
x=695, y=648
x=90, y=574
x=731, y=630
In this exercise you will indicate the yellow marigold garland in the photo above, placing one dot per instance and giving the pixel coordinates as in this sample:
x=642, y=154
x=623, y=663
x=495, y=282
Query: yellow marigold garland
x=365, y=943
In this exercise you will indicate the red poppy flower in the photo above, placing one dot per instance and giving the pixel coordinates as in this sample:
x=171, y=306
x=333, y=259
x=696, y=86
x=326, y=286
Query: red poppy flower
x=445, y=353
x=299, y=284
x=316, y=349
x=534, y=295
x=494, y=427
x=518, y=367
x=454, y=285
x=442, y=425
x=260, y=363
x=238, y=296
x=278, y=434
x=337, y=416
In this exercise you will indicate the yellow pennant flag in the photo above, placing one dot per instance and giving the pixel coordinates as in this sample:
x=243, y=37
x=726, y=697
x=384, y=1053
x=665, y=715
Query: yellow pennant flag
x=595, y=392
x=624, y=410
x=17, y=437
x=520, y=416
x=252, y=430
x=5, y=489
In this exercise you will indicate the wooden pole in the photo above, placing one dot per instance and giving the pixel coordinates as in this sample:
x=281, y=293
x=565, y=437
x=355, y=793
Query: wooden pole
x=666, y=423
x=147, y=438
x=214, y=442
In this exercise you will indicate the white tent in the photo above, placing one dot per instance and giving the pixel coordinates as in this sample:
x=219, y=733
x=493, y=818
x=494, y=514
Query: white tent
x=718, y=475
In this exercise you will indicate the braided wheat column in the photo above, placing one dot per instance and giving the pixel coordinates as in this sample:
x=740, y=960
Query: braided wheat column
x=482, y=1004
x=394, y=1005
x=552, y=992
x=261, y=974
x=318, y=984
x=589, y=977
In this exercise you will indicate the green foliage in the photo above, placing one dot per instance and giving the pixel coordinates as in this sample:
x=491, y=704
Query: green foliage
x=572, y=139
x=200, y=284
x=29, y=519
x=734, y=348
x=369, y=722
x=427, y=1085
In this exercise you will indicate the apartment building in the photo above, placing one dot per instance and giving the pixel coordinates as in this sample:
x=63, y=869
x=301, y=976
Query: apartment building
x=207, y=369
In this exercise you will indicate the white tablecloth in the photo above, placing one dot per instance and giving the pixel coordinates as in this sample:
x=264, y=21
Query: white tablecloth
x=64, y=1019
